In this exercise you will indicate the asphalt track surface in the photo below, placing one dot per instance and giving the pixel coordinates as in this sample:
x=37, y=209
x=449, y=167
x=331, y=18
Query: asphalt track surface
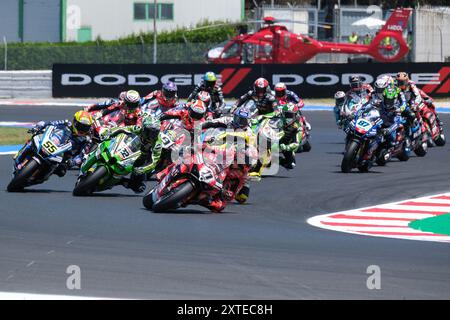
x=261, y=250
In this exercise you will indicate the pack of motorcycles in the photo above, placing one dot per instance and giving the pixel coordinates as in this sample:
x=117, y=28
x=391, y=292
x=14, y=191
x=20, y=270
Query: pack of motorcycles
x=185, y=175
x=182, y=183
x=366, y=144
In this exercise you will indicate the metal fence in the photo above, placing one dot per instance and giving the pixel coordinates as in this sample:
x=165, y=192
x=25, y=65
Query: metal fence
x=40, y=57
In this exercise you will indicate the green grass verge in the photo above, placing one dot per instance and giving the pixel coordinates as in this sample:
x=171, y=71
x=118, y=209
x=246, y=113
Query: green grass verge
x=13, y=136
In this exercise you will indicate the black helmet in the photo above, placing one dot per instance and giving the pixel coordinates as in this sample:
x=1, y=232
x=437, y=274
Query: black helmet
x=150, y=129
x=355, y=83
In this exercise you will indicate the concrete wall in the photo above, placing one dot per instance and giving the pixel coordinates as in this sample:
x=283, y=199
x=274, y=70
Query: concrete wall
x=26, y=84
x=428, y=40
x=111, y=19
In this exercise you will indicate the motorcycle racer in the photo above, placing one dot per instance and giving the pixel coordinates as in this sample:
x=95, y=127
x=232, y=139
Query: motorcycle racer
x=239, y=122
x=190, y=114
x=151, y=149
x=210, y=84
x=292, y=138
x=167, y=97
x=261, y=94
x=281, y=93
x=78, y=130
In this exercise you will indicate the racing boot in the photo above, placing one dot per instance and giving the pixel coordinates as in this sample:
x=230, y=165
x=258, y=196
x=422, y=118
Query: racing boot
x=135, y=183
x=61, y=170
x=243, y=194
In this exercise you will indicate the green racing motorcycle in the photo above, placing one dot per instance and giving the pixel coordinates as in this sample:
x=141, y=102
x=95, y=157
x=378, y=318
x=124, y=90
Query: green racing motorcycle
x=104, y=167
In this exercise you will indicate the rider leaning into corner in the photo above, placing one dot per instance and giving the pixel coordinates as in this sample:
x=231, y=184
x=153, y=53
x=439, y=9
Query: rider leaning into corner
x=210, y=84
x=240, y=123
x=151, y=148
x=191, y=114
x=129, y=109
x=78, y=130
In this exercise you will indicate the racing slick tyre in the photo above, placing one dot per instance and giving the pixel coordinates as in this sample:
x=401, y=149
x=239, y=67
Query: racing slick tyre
x=86, y=185
x=382, y=158
x=306, y=147
x=421, y=149
x=440, y=140
x=172, y=199
x=349, y=157
x=19, y=181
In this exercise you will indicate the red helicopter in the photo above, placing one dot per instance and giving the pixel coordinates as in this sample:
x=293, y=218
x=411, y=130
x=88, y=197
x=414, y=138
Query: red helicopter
x=275, y=44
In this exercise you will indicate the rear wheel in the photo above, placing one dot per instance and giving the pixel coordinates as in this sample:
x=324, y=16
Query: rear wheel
x=421, y=149
x=20, y=179
x=173, y=198
x=440, y=140
x=349, y=157
x=86, y=185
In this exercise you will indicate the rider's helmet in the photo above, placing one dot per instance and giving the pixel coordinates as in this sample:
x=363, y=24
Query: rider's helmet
x=339, y=96
x=280, y=90
x=261, y=87
x=355, y=83
x=241, y=118
x=210, y=79
x=402, y=80
x=150, y=128
x=390, y=95
x=122, y=95
x=205, y=97
x=197, y=109
x=82, y=123
x=131, y=100
x=290, y=113
x=381, y=84
x=169, y=92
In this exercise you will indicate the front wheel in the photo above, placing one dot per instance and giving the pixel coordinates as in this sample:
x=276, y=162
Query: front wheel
x=86, y=185
x=349, y=157
x=171, y=200
x=20, y=179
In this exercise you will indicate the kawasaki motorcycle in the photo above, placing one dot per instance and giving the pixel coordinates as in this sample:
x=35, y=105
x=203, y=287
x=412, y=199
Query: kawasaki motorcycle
x=39, y=157
x=104, y=168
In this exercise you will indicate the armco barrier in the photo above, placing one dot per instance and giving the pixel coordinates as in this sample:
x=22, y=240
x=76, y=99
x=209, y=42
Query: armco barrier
x=26, y=84
x=309, y=80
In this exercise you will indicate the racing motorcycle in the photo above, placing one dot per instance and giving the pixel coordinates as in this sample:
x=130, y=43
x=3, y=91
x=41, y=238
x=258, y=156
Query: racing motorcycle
x=418, y=138
x=432, y=128
x=103, y=168
x=401, y=148
x=186, y=182
x=363, y=140
x=39, y=157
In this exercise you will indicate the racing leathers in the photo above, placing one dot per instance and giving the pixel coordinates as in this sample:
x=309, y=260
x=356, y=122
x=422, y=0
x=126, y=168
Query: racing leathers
x=390, y=116
x=217, y=100
x=265, y=104
x=146, y=163
x=183, y=115
x=365, y=90
x=237, y=172
x=164, y=104
x=81, y=145
x=290, y=143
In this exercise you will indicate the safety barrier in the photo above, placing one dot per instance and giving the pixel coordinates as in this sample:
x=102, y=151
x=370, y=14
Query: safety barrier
x=26, y=84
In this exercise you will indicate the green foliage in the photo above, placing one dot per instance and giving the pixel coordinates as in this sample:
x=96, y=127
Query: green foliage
x=178, y=46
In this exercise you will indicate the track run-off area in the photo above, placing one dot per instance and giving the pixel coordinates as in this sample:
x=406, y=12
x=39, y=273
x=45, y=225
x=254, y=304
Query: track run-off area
x=265, y=249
